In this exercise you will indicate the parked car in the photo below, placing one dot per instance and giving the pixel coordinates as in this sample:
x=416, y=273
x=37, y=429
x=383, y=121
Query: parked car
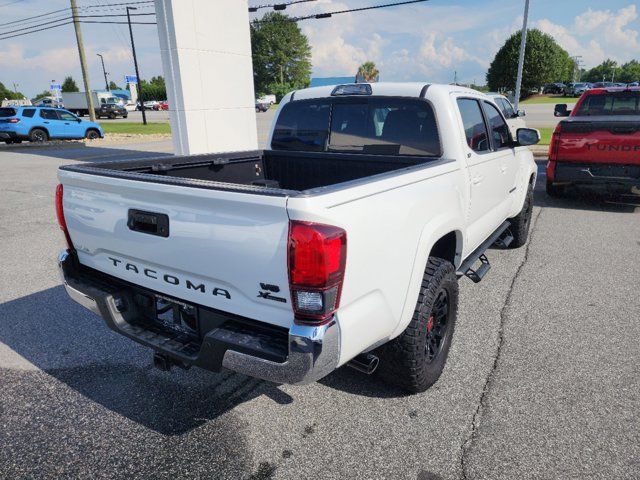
x=39, y=124
x=341, y=244
x=514, y=119
x=152, y=105
x=598, y=146
x=163, y=105
x=576, y=89
x=554, y=88
x=633, y=84
x=262, y=107
x=602, y=85
x=268, y=99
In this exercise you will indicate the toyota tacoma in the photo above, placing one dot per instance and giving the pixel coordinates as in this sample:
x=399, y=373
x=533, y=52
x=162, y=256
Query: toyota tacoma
x=342, y=243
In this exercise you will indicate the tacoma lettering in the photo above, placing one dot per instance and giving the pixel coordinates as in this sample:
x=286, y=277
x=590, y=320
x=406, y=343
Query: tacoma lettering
x=170, y=279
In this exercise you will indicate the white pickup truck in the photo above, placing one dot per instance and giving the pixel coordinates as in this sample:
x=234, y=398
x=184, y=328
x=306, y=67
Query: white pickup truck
x=340, y=244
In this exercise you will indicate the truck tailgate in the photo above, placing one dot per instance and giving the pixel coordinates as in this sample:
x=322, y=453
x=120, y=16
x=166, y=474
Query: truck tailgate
x=610, y=140
x=220, y=246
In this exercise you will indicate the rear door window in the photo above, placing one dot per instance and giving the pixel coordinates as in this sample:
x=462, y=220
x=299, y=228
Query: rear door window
x=385, y=126
x=474, y=126
x=28, y=112
x=613, y=103
x=49, y=114
x=7, y=112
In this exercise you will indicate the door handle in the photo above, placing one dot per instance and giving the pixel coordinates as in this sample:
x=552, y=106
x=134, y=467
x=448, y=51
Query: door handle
x=503, y=169
x=66, y=123
x=46, y=123
x=476, y=180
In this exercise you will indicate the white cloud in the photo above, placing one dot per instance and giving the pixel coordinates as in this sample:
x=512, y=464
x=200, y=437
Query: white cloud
x=597, y=35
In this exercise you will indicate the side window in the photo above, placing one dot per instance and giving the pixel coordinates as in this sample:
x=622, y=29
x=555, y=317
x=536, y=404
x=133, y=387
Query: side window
x=506, y=108
x=48, y=114
x=28, y=112
x=474, y=126
x=499, y=129
x=66, y=116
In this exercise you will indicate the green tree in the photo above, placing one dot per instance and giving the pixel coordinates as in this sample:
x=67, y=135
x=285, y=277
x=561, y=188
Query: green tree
x=630, y=72
x=9, y=94
x=113, y=86
x=544, y=61
x=69, y=85
x=600, y=73
x=154, y=89
x=368, y=72
x=281, y=55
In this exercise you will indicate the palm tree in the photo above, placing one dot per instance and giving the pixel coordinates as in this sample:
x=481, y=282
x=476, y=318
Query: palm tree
x=368, y=73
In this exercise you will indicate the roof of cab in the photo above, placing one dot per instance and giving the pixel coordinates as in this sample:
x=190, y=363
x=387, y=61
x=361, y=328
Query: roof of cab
x=385, y=89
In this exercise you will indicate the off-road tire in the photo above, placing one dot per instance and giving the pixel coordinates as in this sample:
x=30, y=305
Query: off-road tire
x=38, y=135
x=555, y=191
x=112, y=116
x=404, y=361
x=521, y=223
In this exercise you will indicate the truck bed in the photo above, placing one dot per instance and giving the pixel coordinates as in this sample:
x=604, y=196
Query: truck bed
x=266, y=172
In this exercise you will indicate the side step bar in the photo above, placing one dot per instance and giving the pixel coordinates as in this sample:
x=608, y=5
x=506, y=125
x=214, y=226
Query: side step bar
x=501, y=237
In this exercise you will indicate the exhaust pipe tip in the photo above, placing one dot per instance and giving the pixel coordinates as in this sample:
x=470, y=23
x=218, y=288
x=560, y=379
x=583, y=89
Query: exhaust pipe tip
x=366, y=363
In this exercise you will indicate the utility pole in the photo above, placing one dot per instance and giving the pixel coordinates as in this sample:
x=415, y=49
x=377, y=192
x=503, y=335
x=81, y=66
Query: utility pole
x=135, y=63
x=613, y=75
x=106, y=83
x=83, y=61
x=523, y=44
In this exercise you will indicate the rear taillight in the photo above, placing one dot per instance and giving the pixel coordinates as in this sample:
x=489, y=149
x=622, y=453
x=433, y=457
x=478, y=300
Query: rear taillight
x=554, y=145
x=60, y=214
x=551, y=170
x=317, y=259
x=13, y=120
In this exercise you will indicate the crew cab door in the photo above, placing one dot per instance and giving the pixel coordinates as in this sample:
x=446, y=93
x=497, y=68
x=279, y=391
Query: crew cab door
x=51, y=121
x=484, y=172
x=502, y=145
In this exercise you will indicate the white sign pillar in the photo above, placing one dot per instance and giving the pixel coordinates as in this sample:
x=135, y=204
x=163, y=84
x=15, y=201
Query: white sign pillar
x=206, y=56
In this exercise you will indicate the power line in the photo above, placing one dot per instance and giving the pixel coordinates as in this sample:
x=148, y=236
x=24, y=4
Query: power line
x=116, y=15
x=351, y=10
x=11, y=3
x=114, y=4
x=36, y=26
x=35, y=16
x=278, y=6
x=34, y=31
x=119, y=23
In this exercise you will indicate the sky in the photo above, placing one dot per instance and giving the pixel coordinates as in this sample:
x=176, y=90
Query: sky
x=431, y=41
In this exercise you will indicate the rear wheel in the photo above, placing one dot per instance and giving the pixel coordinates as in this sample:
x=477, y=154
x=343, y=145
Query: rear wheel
x=38, y=135
x=555, y=190
x=414, y=360
x=112, y=116
x=520, y=223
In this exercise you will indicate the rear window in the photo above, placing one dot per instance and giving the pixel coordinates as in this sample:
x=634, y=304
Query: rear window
x=613, y=103
x=7, y=112
x=377, y=126
x=28, y=112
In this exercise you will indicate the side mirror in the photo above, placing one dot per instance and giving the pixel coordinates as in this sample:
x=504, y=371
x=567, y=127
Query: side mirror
x=527, y=136
x=560, y=110
x=78, y=120
x=521, y=113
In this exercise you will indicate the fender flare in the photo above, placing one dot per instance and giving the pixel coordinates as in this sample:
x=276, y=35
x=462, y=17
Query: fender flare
x=433, y=231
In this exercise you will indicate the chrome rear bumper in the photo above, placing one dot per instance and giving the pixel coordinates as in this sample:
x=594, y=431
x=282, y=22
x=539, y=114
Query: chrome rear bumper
x=313, y=352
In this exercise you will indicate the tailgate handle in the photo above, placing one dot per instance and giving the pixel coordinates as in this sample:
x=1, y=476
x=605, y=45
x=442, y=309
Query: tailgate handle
x=148, y=222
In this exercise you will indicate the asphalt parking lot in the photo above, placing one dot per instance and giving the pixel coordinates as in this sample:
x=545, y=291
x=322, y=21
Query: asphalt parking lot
x=543, y=378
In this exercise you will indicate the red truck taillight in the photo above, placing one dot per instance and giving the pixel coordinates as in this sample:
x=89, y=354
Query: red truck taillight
x=60, y=214
x=554, y=145
x=317, y=259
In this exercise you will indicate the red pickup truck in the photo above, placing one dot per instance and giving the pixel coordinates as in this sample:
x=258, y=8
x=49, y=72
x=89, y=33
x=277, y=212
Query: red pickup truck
x=598, y=145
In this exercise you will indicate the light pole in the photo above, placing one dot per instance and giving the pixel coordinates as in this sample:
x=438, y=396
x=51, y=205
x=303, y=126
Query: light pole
x=523, y=44
x=106, y=82
x=135, y=62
